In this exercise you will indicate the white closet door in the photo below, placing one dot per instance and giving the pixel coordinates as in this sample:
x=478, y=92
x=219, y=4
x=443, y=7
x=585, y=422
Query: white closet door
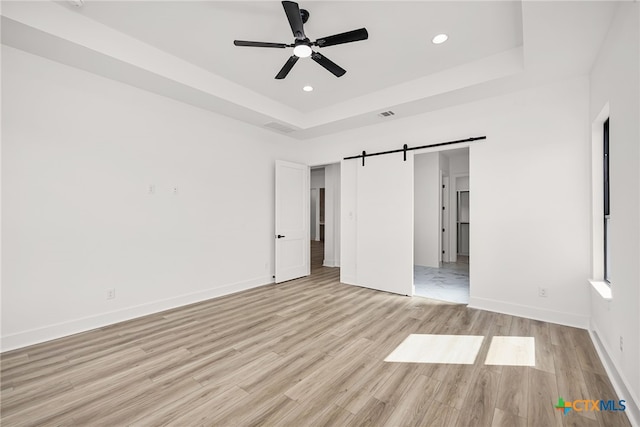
x=385, y=223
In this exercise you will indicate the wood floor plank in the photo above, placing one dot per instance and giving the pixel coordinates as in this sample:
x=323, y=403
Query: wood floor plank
x=571, y=384
x=313, y=413
x=23, y=398
x=600, y=387
x=270, y=413
x=330, y=417
x=543, y=394
x=354, y=398
x=578, y=421
x=146, y=400
x=308, y=352
x=328, y=373
x=374, y=413
x=397, y=385
x=520, y=327
x=440, y=415
x=203, y=409
x=481, y=400
x=412, y=407
x=507, y=419
x=455, y=387
x=561, y=335
x=588, y=357
x=543, y=346
x=513, y=391
x=565, y=358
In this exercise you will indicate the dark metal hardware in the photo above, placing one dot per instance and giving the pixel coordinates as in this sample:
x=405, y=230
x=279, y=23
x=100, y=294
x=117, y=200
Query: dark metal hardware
x=405, y=148
x=280, y=236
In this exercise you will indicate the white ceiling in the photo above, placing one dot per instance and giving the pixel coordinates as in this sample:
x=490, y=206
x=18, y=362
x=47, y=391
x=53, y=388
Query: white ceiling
x=185, y=50
x=202, y=33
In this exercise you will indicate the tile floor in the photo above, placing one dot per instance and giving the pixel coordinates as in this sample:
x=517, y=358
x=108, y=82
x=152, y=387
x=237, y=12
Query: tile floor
x=449, y=283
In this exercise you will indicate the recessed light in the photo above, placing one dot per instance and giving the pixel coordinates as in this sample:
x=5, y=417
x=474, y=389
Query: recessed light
x=440, y=38
x=307, y=88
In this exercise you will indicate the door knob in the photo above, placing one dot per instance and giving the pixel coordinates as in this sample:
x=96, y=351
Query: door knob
x=279, y=236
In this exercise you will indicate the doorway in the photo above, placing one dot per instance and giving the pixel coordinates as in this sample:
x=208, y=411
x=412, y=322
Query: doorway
x=442, y=226
x=325, y=215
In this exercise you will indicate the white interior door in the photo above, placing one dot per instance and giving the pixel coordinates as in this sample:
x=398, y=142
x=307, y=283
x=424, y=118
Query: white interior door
x=292, y=221
x=384, y=248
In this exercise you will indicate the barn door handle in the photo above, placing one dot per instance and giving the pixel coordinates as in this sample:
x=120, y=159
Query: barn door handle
x=279, y=236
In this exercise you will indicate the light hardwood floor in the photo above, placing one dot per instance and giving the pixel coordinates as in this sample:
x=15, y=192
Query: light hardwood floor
x=303, y=353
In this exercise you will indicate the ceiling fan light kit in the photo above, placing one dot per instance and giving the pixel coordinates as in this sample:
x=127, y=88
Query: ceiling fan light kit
x=302, y=46
x=302, y=50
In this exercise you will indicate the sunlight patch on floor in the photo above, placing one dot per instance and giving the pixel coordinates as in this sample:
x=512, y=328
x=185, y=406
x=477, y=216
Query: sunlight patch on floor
x=453, y=349
x=512, y=351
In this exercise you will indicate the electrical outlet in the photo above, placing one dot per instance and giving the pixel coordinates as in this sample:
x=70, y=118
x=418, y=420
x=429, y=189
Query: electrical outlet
x=542, y=292
x=174, y=189
x=621, y=343
x=111, y=293
x=152, y=189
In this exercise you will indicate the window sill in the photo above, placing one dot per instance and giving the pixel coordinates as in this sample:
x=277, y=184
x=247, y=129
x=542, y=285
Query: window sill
x=603, y=289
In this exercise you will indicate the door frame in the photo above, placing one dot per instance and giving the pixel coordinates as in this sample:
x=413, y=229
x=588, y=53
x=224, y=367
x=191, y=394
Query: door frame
x=445, y=202
x=453, y=235
x=332, y=215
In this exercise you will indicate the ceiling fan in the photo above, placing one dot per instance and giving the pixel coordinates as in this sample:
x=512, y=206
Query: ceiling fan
x=302, y=46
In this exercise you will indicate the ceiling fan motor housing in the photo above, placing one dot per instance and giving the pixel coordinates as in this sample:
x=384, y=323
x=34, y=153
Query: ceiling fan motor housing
x=304, y=14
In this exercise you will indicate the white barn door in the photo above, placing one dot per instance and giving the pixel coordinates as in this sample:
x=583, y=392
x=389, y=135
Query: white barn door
x=292, y=221
x=384, y=225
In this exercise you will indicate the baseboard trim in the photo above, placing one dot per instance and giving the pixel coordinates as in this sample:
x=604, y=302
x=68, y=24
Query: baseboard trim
x=568, y=319
x=617, y=380
x=76, y=326
x=348, y=280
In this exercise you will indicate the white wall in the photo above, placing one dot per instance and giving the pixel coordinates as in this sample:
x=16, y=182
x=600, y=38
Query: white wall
x=614, y=81
x=426, y=230
x=79, y=155
x=529, y=194
x=317, y=178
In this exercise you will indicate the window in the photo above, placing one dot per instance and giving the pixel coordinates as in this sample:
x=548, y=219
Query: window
x=607, y=211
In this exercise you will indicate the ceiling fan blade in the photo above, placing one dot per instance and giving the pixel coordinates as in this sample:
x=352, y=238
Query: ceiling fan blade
x=258, y=44
x=287, y=67
x=328, y=64
x=295, y=19
x=348, y=37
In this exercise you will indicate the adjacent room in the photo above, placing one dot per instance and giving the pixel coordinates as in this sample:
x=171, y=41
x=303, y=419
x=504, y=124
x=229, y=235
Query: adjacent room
x=441, y=226
x=389, y=213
